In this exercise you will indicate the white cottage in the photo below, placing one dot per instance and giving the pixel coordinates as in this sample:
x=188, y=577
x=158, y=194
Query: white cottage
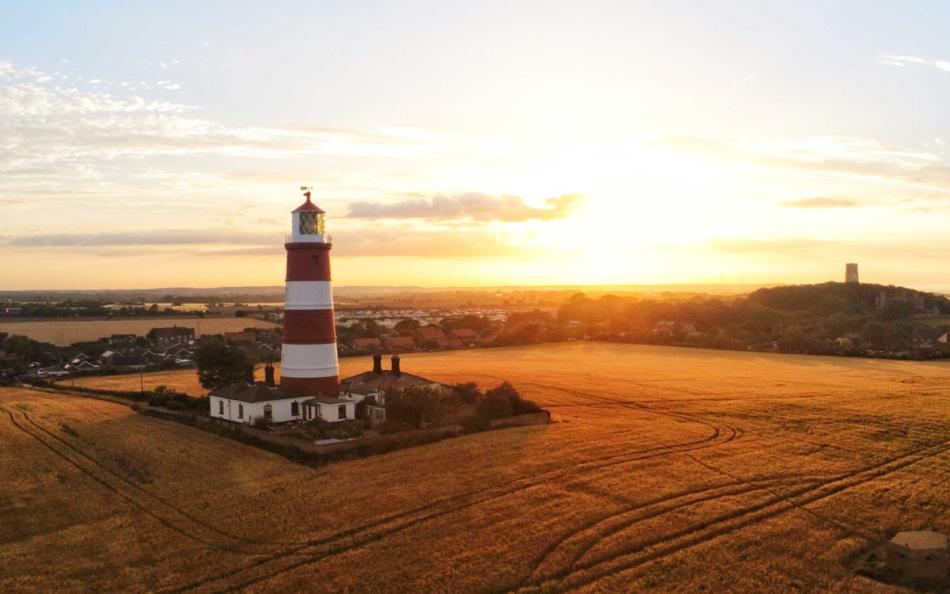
x=248, y=401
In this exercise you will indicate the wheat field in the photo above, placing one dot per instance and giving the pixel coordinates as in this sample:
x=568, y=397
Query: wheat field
x=670, y=470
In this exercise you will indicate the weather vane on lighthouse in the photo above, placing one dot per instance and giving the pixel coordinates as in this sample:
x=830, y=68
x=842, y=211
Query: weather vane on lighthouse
x=306, y=191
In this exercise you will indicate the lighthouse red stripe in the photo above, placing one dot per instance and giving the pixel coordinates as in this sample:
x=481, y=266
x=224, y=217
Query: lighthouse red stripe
x=308, y=261
x=318, y=386
x=309, y=326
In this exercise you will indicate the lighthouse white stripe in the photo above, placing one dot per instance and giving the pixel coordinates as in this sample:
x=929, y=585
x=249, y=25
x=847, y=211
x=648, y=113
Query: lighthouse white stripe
x=308, y=360
x=308, y=295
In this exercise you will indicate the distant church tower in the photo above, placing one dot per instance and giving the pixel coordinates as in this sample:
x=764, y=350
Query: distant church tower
x=851, y=273
x=308, y=354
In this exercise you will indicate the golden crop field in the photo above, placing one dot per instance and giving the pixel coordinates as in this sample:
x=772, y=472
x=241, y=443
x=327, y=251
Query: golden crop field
x=67, y=331
x=666, y=470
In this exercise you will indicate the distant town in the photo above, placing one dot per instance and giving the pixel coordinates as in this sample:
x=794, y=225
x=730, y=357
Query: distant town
x=846, y=319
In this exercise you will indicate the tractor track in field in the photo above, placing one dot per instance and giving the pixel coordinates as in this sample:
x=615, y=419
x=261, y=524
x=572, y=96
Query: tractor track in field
x=165, y=503
x=360, y=538
x=600, y=527
x=300, y=554
x=108, y=486
x=708, y=530
x=720, y=434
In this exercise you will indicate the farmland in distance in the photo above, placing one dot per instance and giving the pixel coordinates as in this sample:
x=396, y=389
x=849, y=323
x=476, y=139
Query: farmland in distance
x=63, y=332
x=671, y=469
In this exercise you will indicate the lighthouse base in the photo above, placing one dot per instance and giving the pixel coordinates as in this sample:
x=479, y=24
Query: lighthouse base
x=328, y=387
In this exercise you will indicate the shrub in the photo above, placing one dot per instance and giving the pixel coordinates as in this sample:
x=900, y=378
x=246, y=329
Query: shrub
x=504, y=401
x=494, y=405
x=467, y=392
x=475, y=423
x=389, y=427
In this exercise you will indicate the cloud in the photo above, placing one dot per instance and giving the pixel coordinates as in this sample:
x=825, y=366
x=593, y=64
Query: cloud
x=471, y=206
x=52, y=124
x=168, y=237
x=932, y=248
x=901, y=61
x=831, y=155
x=821, y=202
x=197, y=243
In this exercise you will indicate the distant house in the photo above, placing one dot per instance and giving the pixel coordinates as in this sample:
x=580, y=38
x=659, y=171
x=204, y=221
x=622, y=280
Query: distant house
x=122, y=339
x=466, y=335
x=400, y=343
x=667, y=328
x=367, y=344
x=430, y=335
x=163, y=337
x=449, y=343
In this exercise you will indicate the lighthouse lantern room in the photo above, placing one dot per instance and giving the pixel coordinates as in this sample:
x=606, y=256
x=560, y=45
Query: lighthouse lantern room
x=308, y=355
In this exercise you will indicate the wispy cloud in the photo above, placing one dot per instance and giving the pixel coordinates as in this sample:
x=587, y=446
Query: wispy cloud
x=198, y=243
x=833, y=155
x=133, y=238
x=901, y=61
x=822, y=202
x=471, y=206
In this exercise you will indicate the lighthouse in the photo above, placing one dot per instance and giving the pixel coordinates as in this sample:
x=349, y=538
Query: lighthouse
x=308, y=355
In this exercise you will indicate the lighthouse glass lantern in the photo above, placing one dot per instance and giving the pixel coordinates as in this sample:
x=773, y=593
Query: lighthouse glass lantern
x=309, y=225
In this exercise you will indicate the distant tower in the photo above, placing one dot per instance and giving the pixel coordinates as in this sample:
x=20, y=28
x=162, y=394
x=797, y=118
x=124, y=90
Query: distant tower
x=308, y=354
x=851, y=273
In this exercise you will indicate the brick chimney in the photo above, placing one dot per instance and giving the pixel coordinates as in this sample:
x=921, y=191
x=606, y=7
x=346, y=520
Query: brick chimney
x=269, y=375
x=395, y=363
x=377, y=364
x=250, y=375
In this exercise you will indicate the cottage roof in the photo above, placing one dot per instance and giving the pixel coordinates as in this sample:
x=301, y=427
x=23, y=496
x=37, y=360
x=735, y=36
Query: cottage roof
x=257, y=392
x=324, y=400
x=368, y=381
x=920, y=540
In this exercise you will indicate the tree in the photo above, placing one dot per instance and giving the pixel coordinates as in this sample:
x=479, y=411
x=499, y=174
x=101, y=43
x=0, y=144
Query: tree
x=220, y=364
x=406, y=326
x=415, y=406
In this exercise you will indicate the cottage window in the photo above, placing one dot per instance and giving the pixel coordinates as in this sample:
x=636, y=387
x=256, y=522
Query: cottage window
x=240, y=411
x=268, y=412
x=220, y=407
x=342, y=411
x=294, y=409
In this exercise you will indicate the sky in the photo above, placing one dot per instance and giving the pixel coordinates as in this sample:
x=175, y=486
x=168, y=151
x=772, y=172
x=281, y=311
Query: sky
x=163, y=144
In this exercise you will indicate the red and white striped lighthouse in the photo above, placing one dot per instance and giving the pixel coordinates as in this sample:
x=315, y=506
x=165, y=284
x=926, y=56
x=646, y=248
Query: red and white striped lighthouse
x=308, y=355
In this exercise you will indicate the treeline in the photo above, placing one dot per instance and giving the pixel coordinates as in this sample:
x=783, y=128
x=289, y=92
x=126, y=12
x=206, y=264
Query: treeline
x=421, y=407
x=830, y=318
